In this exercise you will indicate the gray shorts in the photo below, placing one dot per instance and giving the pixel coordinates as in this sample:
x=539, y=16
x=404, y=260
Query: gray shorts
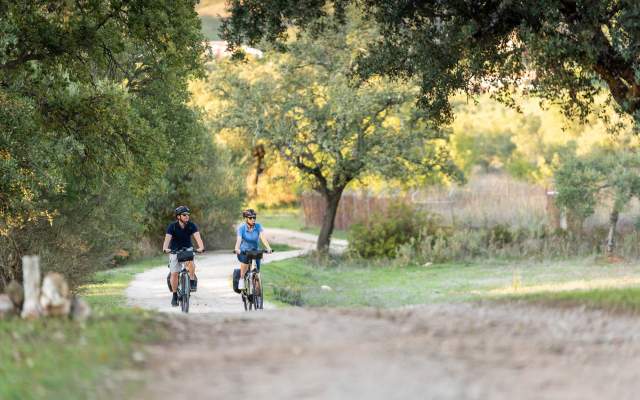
x=174, y=265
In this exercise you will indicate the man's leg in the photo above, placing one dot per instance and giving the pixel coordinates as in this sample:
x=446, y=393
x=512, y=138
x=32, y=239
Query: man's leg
x=174, y=282
x=173, y=267
x=191, y=267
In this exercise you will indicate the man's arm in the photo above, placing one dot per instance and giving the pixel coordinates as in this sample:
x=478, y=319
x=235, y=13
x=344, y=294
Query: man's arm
x=198, y=239
x=165, y=245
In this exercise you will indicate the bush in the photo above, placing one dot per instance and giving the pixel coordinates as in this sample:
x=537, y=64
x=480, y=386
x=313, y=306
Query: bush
x=386, y=232
x=416, y=237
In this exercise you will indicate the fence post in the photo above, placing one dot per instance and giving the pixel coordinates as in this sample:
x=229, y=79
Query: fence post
x=31, y=276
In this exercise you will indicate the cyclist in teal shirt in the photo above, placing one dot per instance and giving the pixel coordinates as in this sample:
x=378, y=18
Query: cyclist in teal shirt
x=249, y=236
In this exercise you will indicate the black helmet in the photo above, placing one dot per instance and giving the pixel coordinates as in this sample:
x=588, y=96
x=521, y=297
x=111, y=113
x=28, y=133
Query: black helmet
x=249, y=212
x=182, y=210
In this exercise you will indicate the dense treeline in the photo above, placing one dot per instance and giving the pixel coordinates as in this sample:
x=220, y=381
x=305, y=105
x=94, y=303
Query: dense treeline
x=97, y=141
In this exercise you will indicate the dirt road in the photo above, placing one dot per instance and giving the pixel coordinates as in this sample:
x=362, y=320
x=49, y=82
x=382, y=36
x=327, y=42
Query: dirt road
x=450, y=351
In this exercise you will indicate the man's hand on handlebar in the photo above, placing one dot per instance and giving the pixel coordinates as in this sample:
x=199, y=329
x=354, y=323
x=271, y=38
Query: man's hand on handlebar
x=201, y=250
x=166, y=251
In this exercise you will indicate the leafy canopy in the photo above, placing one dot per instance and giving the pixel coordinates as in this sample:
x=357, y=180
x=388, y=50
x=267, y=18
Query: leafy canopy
x=302, y=103
x=97, y=141
x=565, y=51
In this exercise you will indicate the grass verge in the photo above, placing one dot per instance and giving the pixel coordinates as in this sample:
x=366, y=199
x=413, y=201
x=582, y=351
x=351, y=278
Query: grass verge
x=344, y=283
x=56, y=358
x=626, y=300
x=282, y=247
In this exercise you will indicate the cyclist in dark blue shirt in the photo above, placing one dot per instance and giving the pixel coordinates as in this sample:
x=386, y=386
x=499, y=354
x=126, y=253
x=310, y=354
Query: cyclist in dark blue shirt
x=178, y=236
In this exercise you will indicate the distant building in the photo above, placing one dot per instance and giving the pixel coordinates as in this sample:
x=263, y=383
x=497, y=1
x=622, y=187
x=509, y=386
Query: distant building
x=219, y=50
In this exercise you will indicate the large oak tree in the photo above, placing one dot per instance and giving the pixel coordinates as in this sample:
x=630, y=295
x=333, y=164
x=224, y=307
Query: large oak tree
x=303, y=105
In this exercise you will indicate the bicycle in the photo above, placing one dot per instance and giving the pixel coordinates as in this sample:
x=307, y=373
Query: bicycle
x=184, y=281
x=252, y=294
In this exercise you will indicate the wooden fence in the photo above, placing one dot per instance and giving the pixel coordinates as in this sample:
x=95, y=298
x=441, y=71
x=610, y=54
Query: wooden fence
x=353, y=207
x=485, y=201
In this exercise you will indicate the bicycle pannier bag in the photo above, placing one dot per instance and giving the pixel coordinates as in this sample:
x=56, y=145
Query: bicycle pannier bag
x=185, y=255
x=236, y=280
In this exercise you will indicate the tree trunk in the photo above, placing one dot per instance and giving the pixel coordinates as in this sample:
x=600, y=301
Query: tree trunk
x=611, y=237
x=328, y=221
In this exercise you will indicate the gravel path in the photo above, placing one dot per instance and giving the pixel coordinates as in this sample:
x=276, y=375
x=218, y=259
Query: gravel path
x=449, y=351
x=149, y=289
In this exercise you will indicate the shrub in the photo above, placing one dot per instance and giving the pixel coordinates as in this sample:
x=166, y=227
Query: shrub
x=386, y=232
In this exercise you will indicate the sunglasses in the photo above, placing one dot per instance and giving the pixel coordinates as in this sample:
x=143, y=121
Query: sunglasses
x=185, y=215
x=251, y=217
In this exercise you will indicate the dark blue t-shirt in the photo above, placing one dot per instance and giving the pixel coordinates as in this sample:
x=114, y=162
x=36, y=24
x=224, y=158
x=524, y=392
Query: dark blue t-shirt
x=181, y=237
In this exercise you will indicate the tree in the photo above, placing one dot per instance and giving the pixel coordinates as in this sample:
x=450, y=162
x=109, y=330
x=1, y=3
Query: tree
x=604, y=174
x=565, y=51
x=302, y=104
x=95, y=130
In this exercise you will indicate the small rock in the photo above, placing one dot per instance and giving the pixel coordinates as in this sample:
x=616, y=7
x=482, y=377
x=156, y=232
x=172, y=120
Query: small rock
x=427, y=264
x=80, y=309
x=55, y=298
x=138, y=357
x=6, y=306
x=326, y=288
x=16, y=294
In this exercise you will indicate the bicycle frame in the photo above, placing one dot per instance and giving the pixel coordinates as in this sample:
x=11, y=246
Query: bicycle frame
x=184, y=287
x=252, y=284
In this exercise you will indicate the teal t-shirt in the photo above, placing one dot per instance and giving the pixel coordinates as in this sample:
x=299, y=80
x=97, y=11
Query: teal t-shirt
x=250, y=239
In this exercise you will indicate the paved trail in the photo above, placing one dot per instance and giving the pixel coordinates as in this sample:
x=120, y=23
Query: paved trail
x=448, y=351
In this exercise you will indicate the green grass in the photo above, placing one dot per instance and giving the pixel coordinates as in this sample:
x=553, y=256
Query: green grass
x=613, y=299
x=281, y=247
x=354, y=284
x=55, y=358
x=292, y=219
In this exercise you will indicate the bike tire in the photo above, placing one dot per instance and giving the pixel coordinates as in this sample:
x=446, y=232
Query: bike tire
x=186, y=289
x=257, y=293
x=244, y=302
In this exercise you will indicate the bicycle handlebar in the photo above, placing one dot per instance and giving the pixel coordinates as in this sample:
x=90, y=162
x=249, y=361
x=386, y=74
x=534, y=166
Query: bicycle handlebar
x=184, y=248
x=246, y=252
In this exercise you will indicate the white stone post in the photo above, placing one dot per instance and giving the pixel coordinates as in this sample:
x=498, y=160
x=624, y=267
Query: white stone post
x=31, y=275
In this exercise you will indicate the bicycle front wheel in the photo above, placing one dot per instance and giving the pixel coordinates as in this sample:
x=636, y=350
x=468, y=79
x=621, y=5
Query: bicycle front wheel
x=257, y=293
x=186, y=289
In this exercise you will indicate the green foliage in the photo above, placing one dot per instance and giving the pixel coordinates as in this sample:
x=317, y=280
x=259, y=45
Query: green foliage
x=476, y=46
x=584, y=181
x=385, y=232
x=95, y=130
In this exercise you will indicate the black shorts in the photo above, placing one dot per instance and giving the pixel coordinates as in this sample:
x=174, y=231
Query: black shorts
x=244, y=259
